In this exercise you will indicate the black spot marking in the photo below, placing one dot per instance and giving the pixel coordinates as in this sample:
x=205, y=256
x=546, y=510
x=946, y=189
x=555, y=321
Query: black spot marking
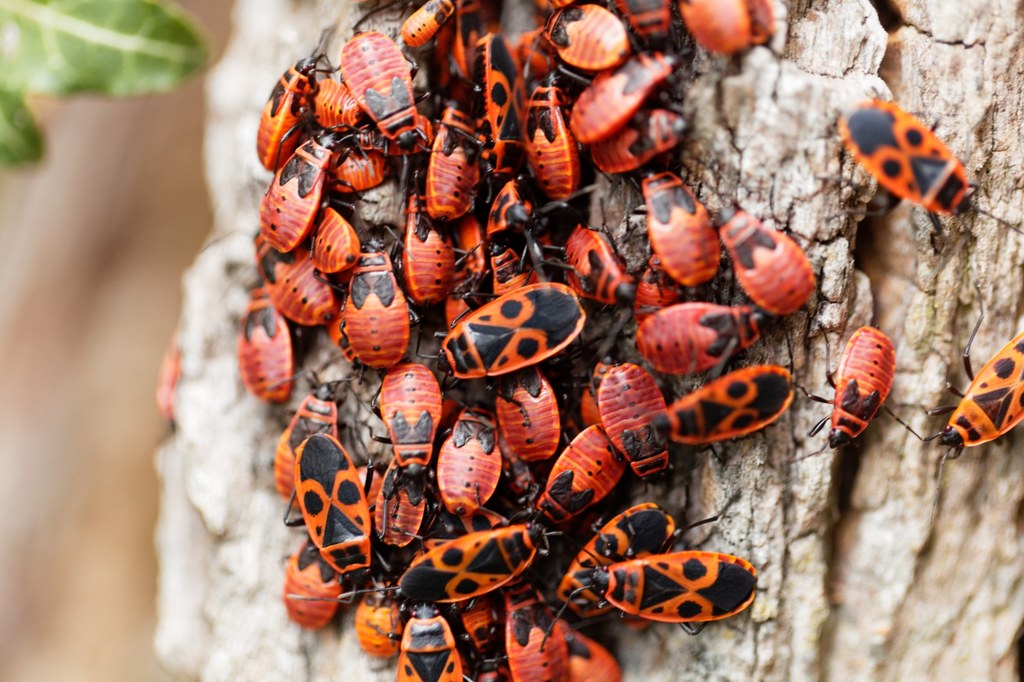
x=1004, y=367
x=452, y=557
x=694, y=569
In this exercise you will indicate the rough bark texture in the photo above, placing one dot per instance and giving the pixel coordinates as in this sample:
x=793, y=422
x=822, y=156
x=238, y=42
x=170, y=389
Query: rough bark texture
x=855, y=584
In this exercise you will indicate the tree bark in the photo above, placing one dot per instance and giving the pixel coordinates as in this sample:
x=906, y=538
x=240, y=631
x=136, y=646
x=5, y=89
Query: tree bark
x=854, y=581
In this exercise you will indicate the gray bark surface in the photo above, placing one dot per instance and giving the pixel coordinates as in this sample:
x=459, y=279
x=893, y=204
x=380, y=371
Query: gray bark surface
x=854, y=582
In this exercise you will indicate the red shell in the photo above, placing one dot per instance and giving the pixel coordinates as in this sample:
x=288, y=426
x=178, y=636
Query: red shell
x=469, y=463
x=630, y=402
x=691, y=337
x=680, y=231
x=528, y=418
x=265, y=359
x=583, y=475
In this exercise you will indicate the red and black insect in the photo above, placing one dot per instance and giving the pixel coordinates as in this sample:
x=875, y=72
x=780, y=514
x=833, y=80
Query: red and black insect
x=731, y=406
x=519, y=329
x=508, y=270
x=452, y=172
x=610, y=101
x=336, y=247
x=588, y=660
x=588, y=37
x=276, y=138
x=528, y=416
x=635, y=533
x=482, y=622
x=334, y=105
x=642, y=138
x=728, y=26
x=312, y=579
x=378, y=625
x=770, y=266
x=448, y=526
x=410, y=405
x=651, y=20
x=862, y=382
x=376, y=312
x=630, y=404
x=583, y=475
x=469, y=463
x=691, y=337
x=472, y=565
x=681, y=587
x=400, y=508
x=655, y=290
x=512, y=209
x=679, y=229
x=468, y=29
x=428, y=652
x=535, y=649
x=501, y=127
x=552, y=151
x=333, y=503
x=428, y=259
x=906, y=157
x=317, y=413
x=360, y=169
x=296, y=290
x=424, y=23
x=291, y=203
x=598, y=272
x=266, y=361
x=379, y=77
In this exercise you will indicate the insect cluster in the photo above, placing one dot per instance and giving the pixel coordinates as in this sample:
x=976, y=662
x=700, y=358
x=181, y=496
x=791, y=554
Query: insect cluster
x=544, y=404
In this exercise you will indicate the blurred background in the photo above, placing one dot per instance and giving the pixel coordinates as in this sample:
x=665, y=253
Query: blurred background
x=94, y=242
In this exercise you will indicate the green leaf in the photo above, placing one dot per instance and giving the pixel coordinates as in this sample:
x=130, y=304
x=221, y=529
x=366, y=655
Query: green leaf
x=117, y=47
x=20, y=141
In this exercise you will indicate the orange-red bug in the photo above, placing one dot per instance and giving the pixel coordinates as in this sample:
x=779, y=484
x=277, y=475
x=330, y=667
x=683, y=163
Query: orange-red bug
x=588, y=660
x=424, y=23
x=630, y=403
x=358, y=170
x=308, y=575
x=533, y=54
x=509, y=272
x=376, y=312
x=635, y=533
x=691, y=337
x=469, y=236
x=428, y=652
x=597, y=271
x=276, y=140
x=906, y=157
x=428, y=259
x=731, y=406
x=379, y=77
x=655, y=290
x=472, y=565
x=645, y=136
x=401, y=505
x=448, y=526
x=452, y=172
x=167, y=379
x=334, y=106
x=862, y=382
x=291, y=203
x=297, y=292
x=501, y=128
x=991, y=406
x=552, y=151
x=512, y=209
x=680, y=587
x=527, y=412
x=410, y=405
x=514, y=331
x=588, y=37
x=266, y=361
x=468, y=28
x=481, y=621
x=378, y=625
x=333, y=504
x=468, y=463
x=770, y=266
x=728, y=26
x=317, y=413
x=588, y=403
x=614, y=96
x=680, y=231
x=336, y=246
x=583, y=475
x=535, y=649
x=651, y=20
